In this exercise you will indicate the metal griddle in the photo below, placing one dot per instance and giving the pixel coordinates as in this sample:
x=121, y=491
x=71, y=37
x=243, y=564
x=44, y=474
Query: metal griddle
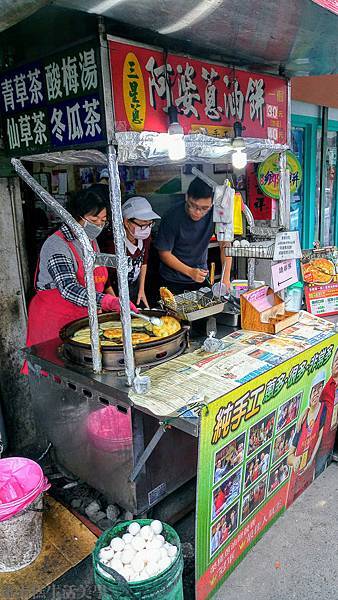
x=147, y=354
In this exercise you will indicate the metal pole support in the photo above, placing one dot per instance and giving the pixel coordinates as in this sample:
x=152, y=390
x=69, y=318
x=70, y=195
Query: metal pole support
x=284, y=193
x=147, y=452
x=121, y=263
x=322, y=191
x=251, y=273
x=88, y=256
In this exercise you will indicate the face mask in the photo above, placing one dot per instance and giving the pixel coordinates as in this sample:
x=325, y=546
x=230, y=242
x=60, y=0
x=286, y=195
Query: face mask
x=92, y=230
x=142, y=234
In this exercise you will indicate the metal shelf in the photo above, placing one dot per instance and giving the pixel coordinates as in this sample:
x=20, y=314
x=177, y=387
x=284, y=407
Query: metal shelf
x=252, y=251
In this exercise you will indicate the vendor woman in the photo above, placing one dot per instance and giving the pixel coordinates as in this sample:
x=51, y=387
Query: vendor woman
x=138, y=219
x=183, y=241
x=61, y=294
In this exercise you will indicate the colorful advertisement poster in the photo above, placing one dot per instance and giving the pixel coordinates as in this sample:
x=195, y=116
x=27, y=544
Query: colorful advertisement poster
x=322, y=300
x=268, y=174
x=55, y=103
x=209, y=96
x=261, y=445
x=320, y=275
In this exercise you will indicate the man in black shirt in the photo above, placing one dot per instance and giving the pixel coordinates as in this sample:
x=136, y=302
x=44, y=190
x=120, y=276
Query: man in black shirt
x=183, y=241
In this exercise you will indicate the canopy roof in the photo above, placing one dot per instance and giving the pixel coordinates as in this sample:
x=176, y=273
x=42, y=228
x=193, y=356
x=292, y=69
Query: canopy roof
x=149, y=148
x=292, y=37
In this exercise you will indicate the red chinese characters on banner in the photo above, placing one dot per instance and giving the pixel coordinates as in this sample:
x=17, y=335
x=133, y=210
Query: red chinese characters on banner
x=205, y=94
x=262, y=207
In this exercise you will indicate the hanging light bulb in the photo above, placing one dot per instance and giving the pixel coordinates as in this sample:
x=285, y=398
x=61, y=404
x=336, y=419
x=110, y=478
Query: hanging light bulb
x=176, y=146
x=176, y=143
x=239, y=157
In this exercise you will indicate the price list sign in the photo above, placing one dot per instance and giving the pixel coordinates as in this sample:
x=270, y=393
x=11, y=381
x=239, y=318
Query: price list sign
x=287, y=246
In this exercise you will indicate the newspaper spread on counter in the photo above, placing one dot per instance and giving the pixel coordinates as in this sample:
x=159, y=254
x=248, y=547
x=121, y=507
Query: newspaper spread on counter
x=176, y=383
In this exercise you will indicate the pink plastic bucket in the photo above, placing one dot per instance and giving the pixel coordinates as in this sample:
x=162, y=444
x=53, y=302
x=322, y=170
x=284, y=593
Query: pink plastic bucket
x=110, y=429
x=21, y=482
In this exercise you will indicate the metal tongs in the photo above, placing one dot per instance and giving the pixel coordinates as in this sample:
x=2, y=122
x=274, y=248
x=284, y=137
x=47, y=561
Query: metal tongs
x=219, y=291
x=153, y=320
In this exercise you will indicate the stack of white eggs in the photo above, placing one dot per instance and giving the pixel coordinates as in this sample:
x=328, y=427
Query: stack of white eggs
x=139, y=554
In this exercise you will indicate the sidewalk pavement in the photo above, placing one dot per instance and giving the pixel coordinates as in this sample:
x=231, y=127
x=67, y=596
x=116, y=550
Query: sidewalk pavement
x=298, y=557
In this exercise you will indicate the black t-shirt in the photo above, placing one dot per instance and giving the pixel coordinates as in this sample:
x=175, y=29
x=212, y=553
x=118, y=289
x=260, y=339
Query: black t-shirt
x=186, y=239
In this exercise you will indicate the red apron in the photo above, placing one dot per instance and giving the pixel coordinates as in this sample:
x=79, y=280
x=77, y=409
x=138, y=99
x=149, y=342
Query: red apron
x=48, y=311
x=306, y=444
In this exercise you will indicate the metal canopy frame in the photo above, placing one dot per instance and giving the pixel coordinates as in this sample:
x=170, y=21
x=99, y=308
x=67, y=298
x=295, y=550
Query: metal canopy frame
x=90, y=257
x=135, y=148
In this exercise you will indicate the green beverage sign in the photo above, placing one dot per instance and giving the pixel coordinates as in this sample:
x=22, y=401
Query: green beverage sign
x=268, y=174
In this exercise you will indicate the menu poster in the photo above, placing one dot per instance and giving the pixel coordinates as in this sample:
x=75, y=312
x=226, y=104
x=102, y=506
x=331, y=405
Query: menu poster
x=322, y=300
x=320, y=275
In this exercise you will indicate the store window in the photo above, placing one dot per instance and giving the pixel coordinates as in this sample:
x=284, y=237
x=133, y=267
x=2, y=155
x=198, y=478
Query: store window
x=297, y=199
x=328, y=210
x=317, y=198
x=329, y=230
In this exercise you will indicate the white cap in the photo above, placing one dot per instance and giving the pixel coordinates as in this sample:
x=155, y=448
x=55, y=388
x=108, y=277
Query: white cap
x=138, y=208
x=320, y=378
x=104, y=174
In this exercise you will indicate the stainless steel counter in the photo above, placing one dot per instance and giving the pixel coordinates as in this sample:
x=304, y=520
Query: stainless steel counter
x=102, y=438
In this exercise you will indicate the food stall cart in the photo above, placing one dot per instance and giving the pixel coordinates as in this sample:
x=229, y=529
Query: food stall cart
x=223, y=415
x=227, y=416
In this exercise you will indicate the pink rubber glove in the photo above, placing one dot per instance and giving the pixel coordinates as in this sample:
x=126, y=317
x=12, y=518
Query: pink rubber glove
x=112, y=303
x=134, y=308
